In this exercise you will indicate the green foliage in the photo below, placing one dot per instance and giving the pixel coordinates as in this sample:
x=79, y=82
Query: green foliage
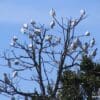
x=86, y=64
x=40, y=98
x=88, y=78
x=70, y=86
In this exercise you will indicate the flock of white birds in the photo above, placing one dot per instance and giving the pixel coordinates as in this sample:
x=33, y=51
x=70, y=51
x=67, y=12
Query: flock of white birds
x=73, y=46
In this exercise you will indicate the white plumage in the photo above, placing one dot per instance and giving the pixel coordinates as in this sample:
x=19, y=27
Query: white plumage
x=52, y=24
x=14, y=74
x=25, y=26
x=73, y=46
x=48, y=38
x=23, y=30
x=37, y=31
x=58, y=39
x=85, y=47
x=33, y=22
x=15, y=38
x=30, y=45
x=12, y=43
x=77, y=42
x=82, y=12
x=93, y=53
x=52, y=12
x=73, y=22
x=87, y=33
x=92, y=42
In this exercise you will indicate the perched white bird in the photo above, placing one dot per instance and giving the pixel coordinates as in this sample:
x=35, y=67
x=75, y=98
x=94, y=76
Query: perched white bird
x=6, y=79
x=73, y=46
x=87, y=33
x=30, y=45
x=25, y=26
x=23, y=30
x=15, y=38
x=52, y=24
x=33, y=22
x=92, y=42
x=93, y=53
x=37, y=31
x=85, y=47
x=12, y=43
x=58, y=39
x=48, y=37
x=52, y=12
x=82, y=12
x=77, y=42
x=14, y=74
x=73, y=22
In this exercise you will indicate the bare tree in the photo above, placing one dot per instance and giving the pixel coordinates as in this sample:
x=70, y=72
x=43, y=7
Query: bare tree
x=43, y=55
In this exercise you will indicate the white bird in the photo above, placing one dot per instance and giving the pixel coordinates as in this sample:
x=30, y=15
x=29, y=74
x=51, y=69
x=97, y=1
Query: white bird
x=73, y=22
x=77, y=42
x=30, y=45
x=12, y=43
x=52, y=12
x=82, y=12
x=85, y=47
x=33, y=22
x=15, y=38
x=73, y=46
x=58, y=39
x=93, y=53
x=37, y=31
x=25, y=26
x=14, y=74
x=92, y=42
x=48, y=37
x=52, y=24
x=87, y=33
x=6, y=79
x=23, y=30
